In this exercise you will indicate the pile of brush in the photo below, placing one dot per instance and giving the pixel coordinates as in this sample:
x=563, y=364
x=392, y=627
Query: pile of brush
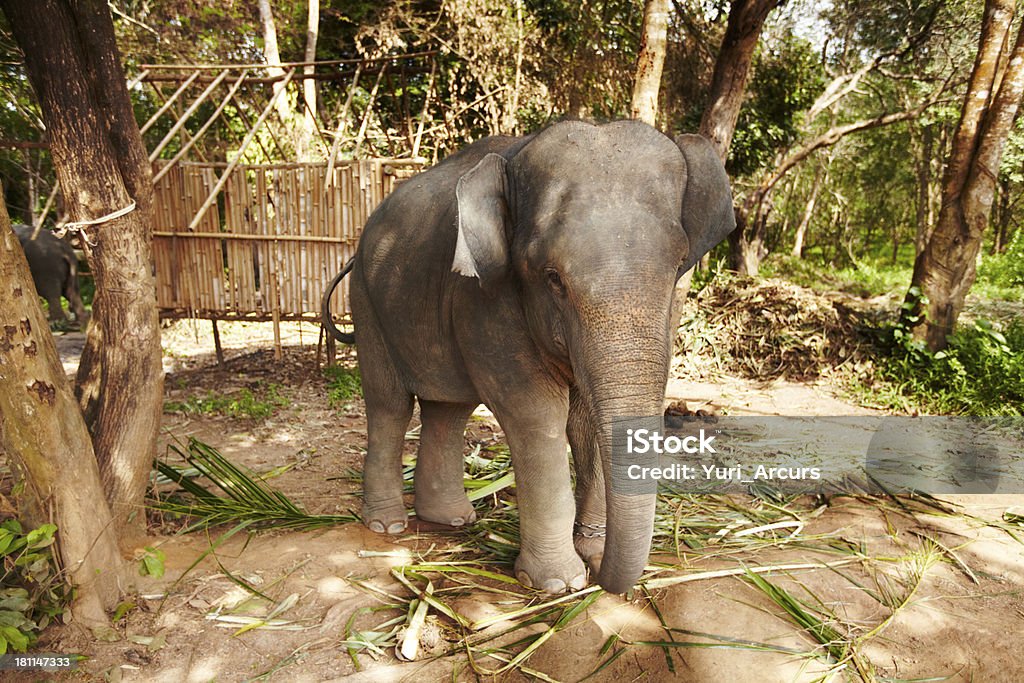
x=766, y=329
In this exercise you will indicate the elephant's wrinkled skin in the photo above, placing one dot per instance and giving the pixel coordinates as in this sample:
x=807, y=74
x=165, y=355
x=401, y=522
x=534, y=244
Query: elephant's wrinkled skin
x=536, y=276
x=54, y=269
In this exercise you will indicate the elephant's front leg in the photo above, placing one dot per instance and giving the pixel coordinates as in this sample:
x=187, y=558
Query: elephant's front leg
x=536, y=436
x=589, y=533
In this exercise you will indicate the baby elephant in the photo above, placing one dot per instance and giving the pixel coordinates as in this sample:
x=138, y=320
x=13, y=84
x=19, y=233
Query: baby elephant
x=54, y=269
x=534, y=275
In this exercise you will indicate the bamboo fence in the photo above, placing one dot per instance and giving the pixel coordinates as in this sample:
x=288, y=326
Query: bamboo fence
x=270, y=240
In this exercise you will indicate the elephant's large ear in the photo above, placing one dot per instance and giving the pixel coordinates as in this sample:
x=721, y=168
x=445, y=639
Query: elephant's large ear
x=481, y=249
x=707, y=199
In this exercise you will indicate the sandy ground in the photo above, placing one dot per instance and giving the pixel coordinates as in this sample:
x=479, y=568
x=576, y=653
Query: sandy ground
x=958, y=624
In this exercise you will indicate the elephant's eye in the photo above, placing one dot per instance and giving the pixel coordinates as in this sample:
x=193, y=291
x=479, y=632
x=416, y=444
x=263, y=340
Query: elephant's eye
x=554, y=280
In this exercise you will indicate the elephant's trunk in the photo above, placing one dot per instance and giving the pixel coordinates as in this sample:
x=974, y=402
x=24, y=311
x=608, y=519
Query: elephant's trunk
x=625, y=380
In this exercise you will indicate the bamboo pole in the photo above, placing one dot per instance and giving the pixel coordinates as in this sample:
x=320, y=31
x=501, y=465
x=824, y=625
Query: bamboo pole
x=155, y=154
x=245, y=144
x=244, y=118
x=167, y=105
x=209, y=122
x=342, y=122
x=271, y=80
x=423, y=115
x=366, y=112
x=138, y=79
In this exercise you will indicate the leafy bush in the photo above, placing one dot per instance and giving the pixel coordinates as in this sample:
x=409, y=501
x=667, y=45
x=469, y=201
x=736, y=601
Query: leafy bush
x=343, y=384
x=981, y=372
x=31, y=591
x=242, y=404
x=1005, y=272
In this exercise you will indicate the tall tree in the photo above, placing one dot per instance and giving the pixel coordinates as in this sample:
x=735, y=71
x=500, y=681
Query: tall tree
x=44, y=433
x=272, y=55
x=728, y=87
x=650, y=62
x=946, y=268
x=309, y=85
x=732, y=70
x=75, y=70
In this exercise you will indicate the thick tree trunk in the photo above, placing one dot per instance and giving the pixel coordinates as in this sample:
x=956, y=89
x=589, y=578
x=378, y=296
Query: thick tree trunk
x=732, y=70
x=650, y=62
x=728, y=87
x=44, y=433
x=74, y=67
x=946, y=268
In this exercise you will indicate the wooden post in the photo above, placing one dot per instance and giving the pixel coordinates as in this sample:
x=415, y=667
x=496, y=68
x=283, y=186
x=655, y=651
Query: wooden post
x=275, y=314
x=216, y=344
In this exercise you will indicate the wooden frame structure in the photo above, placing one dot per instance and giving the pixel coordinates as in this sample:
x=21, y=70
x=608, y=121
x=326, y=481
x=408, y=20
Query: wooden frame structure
x=245, y=231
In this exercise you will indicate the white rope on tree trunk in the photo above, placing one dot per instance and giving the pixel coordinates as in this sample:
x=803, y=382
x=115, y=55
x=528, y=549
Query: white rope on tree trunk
x=80, y=226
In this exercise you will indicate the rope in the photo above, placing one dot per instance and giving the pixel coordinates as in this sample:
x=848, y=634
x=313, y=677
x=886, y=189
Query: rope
x=80, y=226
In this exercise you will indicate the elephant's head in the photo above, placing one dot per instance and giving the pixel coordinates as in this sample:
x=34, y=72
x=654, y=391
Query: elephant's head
x=593, y=225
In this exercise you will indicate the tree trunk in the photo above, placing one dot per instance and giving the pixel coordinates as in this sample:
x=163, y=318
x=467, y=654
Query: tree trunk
x=732, y=70
x=728, y=87
x=924, y=189
x=1003, y=217
x=650, y=62
x=273, y=58
x=644, y=105
x=805, y=219
x=946, y=268
x=310, y=84
x=44, y=434
x=74, y=67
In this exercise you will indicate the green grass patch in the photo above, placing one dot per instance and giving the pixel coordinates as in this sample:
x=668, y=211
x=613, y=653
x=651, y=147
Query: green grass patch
x=343, y=385
x=251, y=404
x=867, y=279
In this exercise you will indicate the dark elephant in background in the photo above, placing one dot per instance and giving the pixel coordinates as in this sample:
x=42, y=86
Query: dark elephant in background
x=54, y=269
x=534, y=275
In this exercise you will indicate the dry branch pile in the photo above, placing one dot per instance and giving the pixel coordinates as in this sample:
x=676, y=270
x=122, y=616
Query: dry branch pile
x=766, y=329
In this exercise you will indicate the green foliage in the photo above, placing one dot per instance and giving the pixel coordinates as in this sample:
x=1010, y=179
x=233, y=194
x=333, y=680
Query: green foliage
x=152, y=562
x=244, y=500
x=343, y=384
x=241, y=404
x=788, y=77
x=1006, y=269
x=981, y=372
x=32, y=592
x=868, y=278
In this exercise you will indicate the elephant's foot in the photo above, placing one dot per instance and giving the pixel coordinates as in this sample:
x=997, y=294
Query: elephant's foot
x=456, y=513
x=589, y=543
x=388, y=518
x=552, y=574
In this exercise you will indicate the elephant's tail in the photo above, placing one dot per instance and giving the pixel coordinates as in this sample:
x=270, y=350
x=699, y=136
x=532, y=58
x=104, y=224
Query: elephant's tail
x=325, y=306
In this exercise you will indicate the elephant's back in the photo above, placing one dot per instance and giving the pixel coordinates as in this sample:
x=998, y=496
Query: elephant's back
x=403, y=266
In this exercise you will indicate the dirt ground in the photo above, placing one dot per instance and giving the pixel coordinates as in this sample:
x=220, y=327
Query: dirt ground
x=957, y=625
